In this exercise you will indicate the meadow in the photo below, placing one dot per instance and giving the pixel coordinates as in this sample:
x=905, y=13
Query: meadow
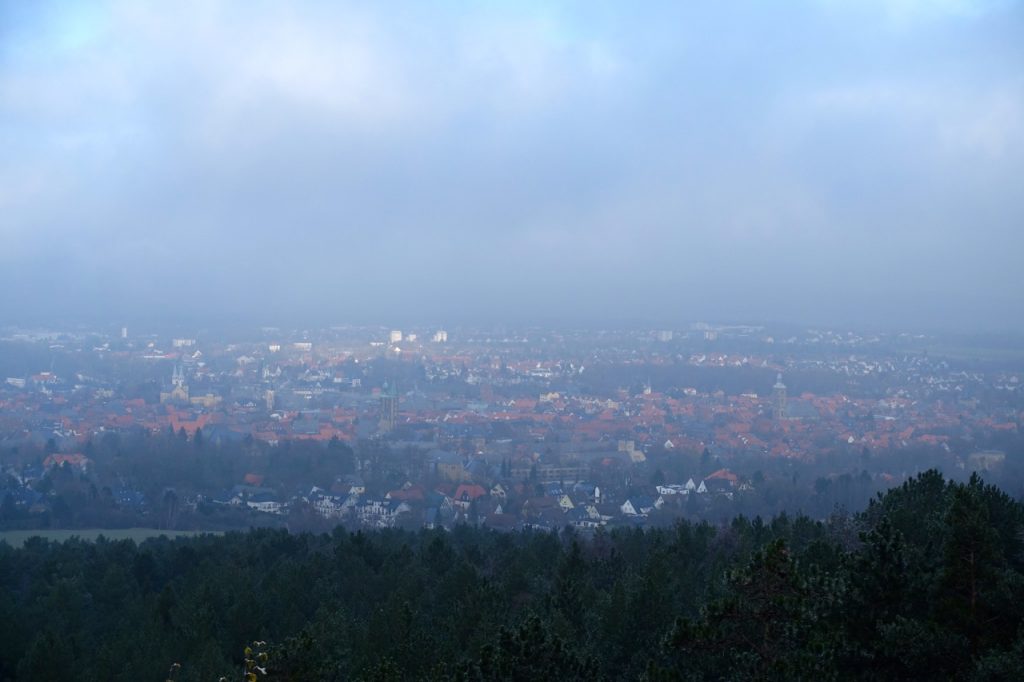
x=17, y=538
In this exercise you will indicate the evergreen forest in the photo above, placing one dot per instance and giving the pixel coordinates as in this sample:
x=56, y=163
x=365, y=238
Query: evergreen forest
x=926, y=583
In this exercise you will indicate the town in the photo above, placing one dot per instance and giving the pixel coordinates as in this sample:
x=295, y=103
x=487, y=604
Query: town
x=372, y=427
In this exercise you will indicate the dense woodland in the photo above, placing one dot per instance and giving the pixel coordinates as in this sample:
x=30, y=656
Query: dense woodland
x=927, y=582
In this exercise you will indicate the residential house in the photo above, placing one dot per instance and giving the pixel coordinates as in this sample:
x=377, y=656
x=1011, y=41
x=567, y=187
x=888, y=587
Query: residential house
x=638, y=505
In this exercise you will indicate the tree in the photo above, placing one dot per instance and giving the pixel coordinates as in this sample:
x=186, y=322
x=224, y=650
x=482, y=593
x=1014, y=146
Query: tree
x=972, y=564
x=877, y=600
x=48, y=658
x=766, y=626
x=8, y=510
x=705, y=462
x=530, y=652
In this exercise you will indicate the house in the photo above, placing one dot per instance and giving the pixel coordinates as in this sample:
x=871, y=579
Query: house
x=240, y=495
x=407, y=493
x=501, y=522
x=592, y=511
x=439, y=498
x=447, y=465
x=608, y=510
x=583, y=519
x=264, y=502
x=396, y=508
x=723, y=475
x=373, y=511
x=127, y=498
x=466, y=493
x=588, y=490
x=350, y=484
x=536, y=504
x=639, y=505
x=553, y=488
x=551, y=518
x=76, y=462
x=327, y=506
x=719, y=486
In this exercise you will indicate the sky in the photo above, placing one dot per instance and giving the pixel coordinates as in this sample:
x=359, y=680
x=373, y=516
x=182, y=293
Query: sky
x=857, y=163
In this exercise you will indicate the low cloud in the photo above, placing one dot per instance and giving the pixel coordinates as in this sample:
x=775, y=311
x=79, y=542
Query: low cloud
x=816, y=162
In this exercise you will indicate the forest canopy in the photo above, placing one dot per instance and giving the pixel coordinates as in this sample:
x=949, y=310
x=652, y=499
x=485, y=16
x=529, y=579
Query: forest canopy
x=927, y=582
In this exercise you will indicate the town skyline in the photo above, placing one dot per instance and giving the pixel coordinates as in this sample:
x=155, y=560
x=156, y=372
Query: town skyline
x=377, y=427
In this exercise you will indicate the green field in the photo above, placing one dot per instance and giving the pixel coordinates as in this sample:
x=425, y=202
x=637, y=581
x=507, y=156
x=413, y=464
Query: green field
x=17, y=538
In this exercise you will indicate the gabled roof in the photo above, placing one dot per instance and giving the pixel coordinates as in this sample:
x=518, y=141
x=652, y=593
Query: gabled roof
x=467, y=492
x=722, y=474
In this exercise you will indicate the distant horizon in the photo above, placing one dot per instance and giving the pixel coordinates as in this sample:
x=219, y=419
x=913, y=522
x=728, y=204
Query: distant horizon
x=148, y=326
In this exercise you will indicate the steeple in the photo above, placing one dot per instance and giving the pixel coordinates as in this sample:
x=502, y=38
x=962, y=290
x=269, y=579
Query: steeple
x=388, y=407
x=779, y=398
x=178, y=376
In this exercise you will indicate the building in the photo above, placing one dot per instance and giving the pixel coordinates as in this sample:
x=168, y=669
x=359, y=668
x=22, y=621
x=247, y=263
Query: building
x=207, y=400
x=395, y=336
x=178, y=392
x=388, y=408
x=448, y=465
x=779, y=398
x=440, y=336
x=76, y=462
x=986, y=460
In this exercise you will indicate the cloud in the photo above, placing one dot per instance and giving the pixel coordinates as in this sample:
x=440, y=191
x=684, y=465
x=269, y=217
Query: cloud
x=660, y=160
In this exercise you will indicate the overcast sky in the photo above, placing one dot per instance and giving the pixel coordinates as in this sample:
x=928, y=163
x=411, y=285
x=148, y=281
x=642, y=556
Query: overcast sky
x=856, y=162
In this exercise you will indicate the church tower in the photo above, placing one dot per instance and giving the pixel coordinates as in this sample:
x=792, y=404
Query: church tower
x=388, y=408
x=779, y=399
x=178, y=392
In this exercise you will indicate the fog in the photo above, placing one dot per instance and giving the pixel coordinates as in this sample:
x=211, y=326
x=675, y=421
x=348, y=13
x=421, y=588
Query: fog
x=823, y=161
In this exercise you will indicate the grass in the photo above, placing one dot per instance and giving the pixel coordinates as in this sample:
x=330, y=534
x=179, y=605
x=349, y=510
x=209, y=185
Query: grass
x=17, y=538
